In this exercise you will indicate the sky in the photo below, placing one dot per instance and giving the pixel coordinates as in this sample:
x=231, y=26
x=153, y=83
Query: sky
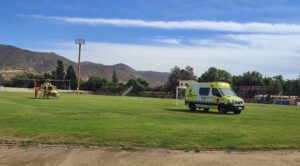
x=234, y=35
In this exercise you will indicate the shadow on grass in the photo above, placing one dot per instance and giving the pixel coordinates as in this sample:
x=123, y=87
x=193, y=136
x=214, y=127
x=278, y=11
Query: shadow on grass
x=196, y=112
x=42, y=98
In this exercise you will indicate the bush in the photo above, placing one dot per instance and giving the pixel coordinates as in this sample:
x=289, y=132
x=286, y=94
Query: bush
x=95, y=83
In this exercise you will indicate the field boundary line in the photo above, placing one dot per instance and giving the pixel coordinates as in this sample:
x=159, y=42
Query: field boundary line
x=18, y=104
x=11, y=143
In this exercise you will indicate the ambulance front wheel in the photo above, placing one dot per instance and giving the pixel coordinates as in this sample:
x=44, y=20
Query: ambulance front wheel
x=192, y=106
x=237, y=111
x=222, y=109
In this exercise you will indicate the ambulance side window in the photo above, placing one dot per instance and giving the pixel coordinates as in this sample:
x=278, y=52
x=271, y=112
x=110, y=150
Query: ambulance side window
x=215, y=92
x=204, y=91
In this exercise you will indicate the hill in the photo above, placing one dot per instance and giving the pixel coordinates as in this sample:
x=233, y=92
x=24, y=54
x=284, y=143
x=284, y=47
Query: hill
x=41, y=62
x=154, y=77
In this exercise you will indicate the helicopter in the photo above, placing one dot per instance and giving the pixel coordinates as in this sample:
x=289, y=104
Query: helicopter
x=47, y=90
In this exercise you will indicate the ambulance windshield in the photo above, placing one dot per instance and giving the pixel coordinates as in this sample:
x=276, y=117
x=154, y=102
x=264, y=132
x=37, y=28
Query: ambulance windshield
x=228, y=92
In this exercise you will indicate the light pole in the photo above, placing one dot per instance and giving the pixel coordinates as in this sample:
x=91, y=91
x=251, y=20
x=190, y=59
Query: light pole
x=79, y=42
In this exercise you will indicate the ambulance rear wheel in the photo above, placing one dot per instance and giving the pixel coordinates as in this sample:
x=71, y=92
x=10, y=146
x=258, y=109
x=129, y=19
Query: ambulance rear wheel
x=192, y=106
x=206, y=109
x=222, y=109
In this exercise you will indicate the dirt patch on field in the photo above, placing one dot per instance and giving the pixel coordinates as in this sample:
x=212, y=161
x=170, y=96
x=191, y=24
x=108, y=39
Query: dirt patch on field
x=67, y=155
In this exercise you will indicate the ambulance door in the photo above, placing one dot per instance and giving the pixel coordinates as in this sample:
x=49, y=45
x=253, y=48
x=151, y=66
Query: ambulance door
x=204, y=93
x=216, y=96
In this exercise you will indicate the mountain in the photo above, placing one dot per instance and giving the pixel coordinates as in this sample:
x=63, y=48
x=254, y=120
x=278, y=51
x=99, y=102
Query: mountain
x=14, y=57
x=41, y=62
x=155, y=77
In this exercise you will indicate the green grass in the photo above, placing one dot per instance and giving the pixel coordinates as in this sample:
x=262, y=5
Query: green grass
x=144, y=122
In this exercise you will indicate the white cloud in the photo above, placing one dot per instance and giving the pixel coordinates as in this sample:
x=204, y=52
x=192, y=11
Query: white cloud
x=171, y=41
x=284, y=43
x=213, y=43
x=250, y=27
x=269, y=54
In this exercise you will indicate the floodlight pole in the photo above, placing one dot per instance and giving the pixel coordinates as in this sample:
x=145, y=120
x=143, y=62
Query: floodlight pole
x=78, y=68
x=79, y=42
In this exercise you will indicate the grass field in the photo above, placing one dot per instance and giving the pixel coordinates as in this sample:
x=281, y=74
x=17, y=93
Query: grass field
x=144, y=122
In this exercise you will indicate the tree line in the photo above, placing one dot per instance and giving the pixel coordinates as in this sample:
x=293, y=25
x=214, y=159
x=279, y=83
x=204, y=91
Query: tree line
x=101, y=84
x=60, y=77
x=253, y=78
x=94, y=83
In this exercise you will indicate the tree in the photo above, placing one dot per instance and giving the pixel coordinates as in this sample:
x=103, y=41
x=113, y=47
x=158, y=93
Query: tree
x=1, y=79
x=50, y=75
x=60, y=70
x=214, y=74
x=278, y=81
x=142, y=82
x=237, y=80
x=23, y=80
x=178, y=74
x=297, y=82
x=138, y=84
x=268, y=81
x=115, y=78
x=297, y=86
x=95, y=83
x=288, y=87
x=291, y=87
x=253, y=78
x=60, y=73
x=71, y=75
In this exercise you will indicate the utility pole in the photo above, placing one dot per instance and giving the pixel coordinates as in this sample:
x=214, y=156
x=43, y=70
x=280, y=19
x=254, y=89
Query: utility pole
x=79, y=42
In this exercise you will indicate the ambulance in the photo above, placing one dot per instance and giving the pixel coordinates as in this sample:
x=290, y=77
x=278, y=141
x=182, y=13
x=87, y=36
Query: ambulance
x=208, y=95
